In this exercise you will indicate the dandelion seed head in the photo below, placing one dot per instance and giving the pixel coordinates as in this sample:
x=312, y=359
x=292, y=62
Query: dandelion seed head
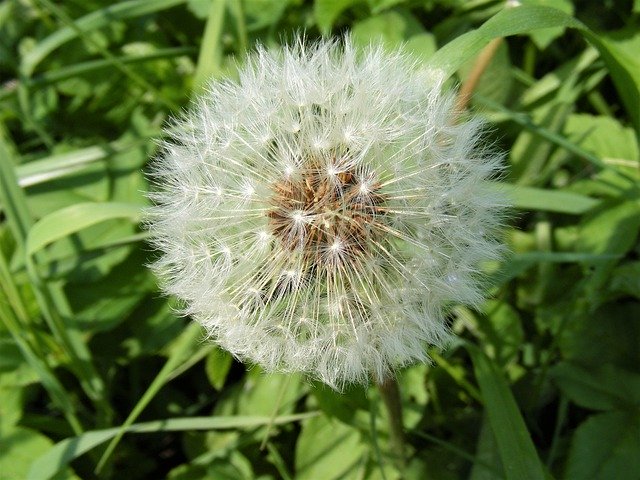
x=322, y=213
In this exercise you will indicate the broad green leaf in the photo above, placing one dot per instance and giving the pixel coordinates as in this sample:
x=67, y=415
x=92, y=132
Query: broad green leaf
x=543, y=37
x=625, y=279
x=11, y=406
x=11, y=357
x=391, y=28
x=421, y=45
x=504, y=330
x=57, y=457
x=620, y=53
x=606, y=335
x=264, y=394
x=377, y=6
x=328, y=449
x=613, y=230
x=327, y=11
x=264, y=13
x=519, y=263
x=617, y=53
x=70, y=220
x=342, y=406
x=559, y=201
x=605, y=447
x=487, y=453
x=517, y=452
x=217, y=367
x=103, y=304
x=605, y=137
x=602, y=388
x=91, y=21
x=18, y=448
x=510, y=21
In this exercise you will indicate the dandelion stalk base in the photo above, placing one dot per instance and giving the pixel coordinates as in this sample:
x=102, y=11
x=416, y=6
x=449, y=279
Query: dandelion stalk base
x=390, y=393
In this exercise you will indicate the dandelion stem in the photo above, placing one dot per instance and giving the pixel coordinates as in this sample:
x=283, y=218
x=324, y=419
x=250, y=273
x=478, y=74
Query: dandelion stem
x=390, y=392
x=479, y=67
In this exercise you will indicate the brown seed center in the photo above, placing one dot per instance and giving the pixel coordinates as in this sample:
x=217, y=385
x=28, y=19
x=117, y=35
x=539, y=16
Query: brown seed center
x=329, y=216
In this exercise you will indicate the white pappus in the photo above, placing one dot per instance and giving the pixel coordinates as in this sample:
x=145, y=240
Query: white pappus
x=320, y=214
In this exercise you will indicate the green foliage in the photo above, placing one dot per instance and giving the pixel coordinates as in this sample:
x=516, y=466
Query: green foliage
x=97, y=370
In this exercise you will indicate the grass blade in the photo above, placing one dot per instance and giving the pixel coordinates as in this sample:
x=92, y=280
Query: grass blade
x=518, y=454
x=67, y=450
x=184, y=344
x=92, y=21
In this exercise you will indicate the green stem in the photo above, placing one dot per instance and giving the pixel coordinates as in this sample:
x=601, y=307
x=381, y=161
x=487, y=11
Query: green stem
x=390, y=393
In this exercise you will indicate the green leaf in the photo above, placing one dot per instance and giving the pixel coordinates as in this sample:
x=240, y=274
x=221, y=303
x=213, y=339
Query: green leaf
x=496, y=80
x=605, y=137
x=18, y=448
x=518, y=454
x=606, y=335
x=606, y=447
x=377, y=6
x=625, y=279
x=65, y=222
x=602, y=388
x=327, y=11
x=91, y=21
x=559, y=201
x=182, y=347
x=612, y=230
x=210, y=56
x=264, y=13
x=542, y=38
x=328, y=449
x=510, y=21
x=620, y=53
x=530, y=153
x=217, y=367
x=57, y=457
x=11, y=406
x=391, y=28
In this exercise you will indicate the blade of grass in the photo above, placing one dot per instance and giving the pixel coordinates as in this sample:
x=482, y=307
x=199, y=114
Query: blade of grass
x=459, y=452
x=91, y=21
x=509, y=21
x=210, y=56
x=113, y=59
x=518, y=454
x=525, y=121
x=237, y=12
x=63, y=73
x=61, y=454
x=527, y=18
x=521, y=262
x=57, y=166
x=14, y=322
x=72, y=219
x=540, y=199
x=185, y=343
x=50, y=297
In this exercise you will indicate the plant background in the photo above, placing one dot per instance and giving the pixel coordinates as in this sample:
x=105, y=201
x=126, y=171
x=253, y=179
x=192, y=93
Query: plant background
x=545, y=381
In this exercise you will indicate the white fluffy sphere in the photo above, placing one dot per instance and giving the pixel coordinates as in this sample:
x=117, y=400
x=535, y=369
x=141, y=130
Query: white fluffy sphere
x=321, y=213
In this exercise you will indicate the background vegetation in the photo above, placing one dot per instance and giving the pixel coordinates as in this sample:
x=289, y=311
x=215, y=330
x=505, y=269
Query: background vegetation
x=545, y=381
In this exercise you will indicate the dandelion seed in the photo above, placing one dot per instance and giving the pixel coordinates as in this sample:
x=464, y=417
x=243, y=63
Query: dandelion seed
x=341, y=208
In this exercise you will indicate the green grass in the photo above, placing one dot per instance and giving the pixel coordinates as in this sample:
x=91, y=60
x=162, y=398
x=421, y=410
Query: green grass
x=99, y=376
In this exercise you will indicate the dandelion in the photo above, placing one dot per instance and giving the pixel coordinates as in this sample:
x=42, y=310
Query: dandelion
x=321, y=214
